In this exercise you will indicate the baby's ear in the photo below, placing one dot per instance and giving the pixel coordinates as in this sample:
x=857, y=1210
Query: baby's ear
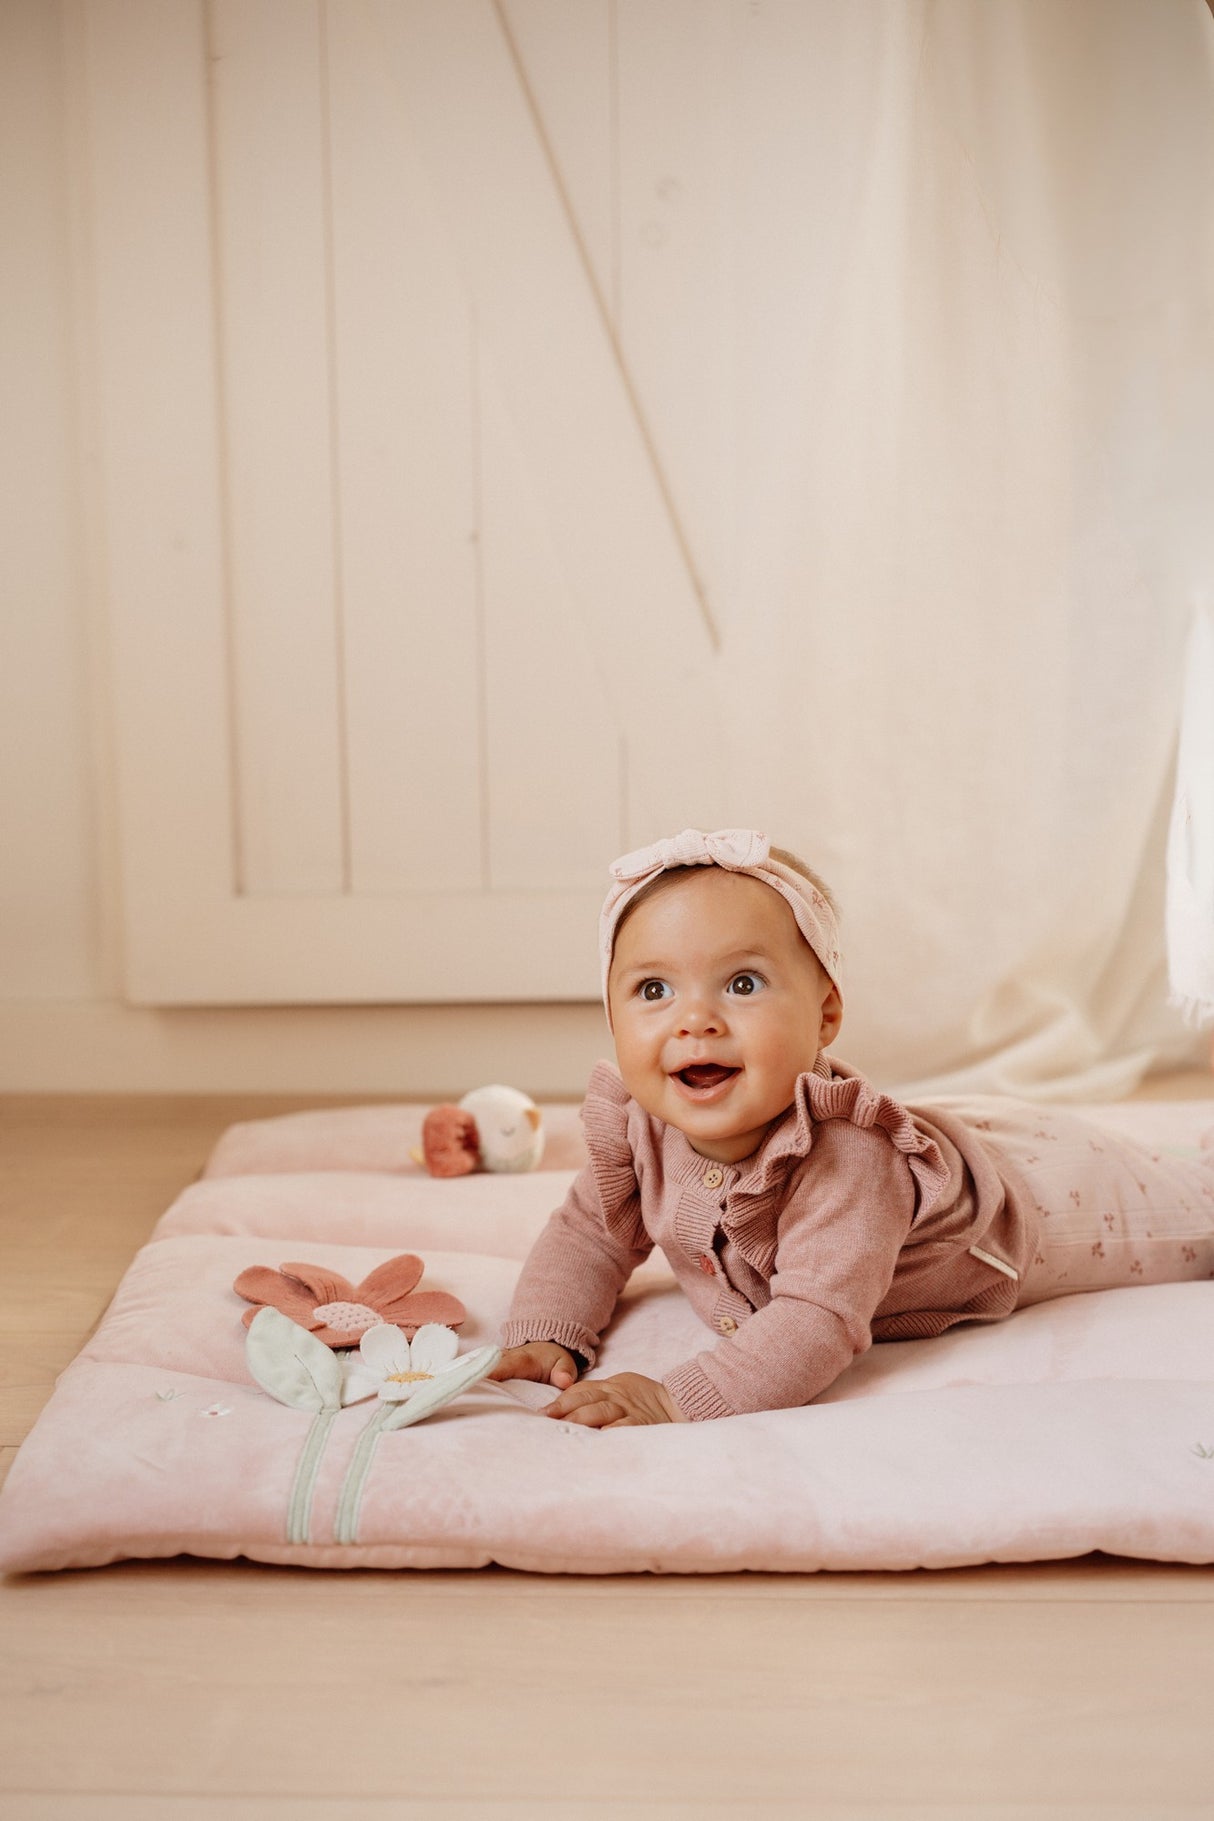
x=533, y=1116
x=831, y=1018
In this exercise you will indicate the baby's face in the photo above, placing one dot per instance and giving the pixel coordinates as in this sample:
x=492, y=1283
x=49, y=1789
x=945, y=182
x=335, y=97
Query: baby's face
x=718, y=1004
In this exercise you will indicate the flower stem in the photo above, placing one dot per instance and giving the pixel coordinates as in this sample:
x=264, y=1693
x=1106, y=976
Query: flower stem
x=299, y=1511
x=345, y=1528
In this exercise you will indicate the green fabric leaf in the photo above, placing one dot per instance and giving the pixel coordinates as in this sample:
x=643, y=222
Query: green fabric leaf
x=291, y=1364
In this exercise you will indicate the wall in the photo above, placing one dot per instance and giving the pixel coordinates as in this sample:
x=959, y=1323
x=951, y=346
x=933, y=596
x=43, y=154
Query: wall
x=63, y=1024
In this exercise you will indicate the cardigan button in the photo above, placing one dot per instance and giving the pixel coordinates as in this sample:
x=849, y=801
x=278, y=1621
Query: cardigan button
x=727, y=1324
x=708, y=1264
x=713, y=1176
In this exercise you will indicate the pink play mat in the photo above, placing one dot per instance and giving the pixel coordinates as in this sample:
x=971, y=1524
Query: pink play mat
x=1083, y=1424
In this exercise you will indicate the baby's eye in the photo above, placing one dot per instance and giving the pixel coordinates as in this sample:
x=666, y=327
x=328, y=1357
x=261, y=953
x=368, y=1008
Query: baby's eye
x=653, y=990
x=743, y=985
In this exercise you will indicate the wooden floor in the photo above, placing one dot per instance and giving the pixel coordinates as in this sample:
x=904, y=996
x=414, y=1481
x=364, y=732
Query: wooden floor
x=184, y=1691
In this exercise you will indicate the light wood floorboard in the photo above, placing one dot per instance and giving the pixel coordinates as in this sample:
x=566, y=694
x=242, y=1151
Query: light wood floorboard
x=374, y=1808
x=188, y=1690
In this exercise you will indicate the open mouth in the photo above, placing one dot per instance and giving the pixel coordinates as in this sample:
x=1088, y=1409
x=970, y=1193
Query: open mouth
x=702, y=1075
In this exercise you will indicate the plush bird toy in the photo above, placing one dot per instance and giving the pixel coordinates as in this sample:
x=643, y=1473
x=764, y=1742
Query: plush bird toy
x=494, y=1128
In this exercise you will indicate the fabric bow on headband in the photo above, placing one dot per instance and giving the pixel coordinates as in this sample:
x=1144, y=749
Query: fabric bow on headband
x=736, y=850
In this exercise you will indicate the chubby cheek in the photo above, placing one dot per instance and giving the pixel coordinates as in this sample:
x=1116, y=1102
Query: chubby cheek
x=639, y=1058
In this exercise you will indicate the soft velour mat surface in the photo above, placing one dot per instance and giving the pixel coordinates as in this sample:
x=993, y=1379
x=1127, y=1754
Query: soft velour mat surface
x=1082, y=1424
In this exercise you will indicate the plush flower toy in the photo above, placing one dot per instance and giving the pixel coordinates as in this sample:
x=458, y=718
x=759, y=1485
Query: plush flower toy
x=493, y=1128
x=338, y=1312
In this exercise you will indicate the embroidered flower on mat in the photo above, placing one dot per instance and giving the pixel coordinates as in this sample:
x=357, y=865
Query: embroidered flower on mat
x=391, y=1366
x=338, y=1312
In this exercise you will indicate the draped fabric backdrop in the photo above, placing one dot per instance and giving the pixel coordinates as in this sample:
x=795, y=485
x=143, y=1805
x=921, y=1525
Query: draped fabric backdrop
x=976, y=513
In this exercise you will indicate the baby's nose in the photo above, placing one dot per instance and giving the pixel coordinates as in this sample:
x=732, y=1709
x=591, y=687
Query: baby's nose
x=702, y=1016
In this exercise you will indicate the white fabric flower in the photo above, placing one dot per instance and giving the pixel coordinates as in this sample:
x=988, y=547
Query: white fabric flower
x=429, y=1367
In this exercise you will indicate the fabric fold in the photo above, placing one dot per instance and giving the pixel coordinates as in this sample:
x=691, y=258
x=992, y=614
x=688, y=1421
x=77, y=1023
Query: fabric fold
x=1190, y=862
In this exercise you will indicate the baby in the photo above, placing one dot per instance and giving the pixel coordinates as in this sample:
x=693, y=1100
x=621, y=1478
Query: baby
x=804, y=1213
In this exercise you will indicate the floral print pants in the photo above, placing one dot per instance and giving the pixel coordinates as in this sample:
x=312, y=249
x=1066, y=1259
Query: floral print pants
x=1112, y=1212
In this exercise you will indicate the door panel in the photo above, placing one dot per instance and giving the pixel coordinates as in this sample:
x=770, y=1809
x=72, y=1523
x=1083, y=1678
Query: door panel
x=402, y=606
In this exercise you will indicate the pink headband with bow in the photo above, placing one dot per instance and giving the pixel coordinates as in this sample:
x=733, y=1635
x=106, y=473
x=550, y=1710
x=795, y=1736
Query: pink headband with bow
x=737, y=850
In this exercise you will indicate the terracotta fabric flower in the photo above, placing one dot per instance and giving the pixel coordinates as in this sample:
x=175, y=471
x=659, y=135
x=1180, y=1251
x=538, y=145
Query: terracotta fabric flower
x=338, y=1312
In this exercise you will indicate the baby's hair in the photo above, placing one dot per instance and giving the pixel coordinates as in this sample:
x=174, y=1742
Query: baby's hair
x=672, y=873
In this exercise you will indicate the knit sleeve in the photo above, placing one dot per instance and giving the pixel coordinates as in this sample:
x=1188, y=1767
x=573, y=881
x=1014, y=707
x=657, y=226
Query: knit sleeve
x=839, y=1234
x=574, y=1273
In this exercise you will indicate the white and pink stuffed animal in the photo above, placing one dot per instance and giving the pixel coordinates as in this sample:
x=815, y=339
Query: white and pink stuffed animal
x=494, y=1128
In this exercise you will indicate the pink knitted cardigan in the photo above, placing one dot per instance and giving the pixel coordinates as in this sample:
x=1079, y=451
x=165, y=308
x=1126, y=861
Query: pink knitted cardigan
x=853, y=1222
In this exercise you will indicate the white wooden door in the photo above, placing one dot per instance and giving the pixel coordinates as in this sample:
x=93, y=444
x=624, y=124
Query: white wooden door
x=415, y=537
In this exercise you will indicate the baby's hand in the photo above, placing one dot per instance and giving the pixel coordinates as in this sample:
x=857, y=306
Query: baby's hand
x=625, y=1401
x=539, y=1359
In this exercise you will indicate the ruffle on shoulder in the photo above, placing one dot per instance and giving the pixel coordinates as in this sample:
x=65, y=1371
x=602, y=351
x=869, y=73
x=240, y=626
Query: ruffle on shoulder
x=844, y=1094
x=605, y=1118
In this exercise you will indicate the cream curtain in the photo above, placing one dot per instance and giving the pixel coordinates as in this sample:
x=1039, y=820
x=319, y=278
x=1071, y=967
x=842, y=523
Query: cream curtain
x=976, y=291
